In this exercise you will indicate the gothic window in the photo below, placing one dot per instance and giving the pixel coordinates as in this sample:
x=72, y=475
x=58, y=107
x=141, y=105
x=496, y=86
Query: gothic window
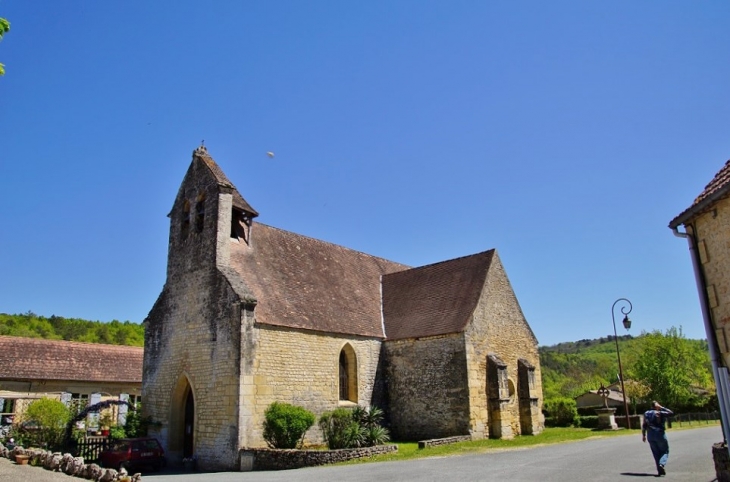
x=344, y=385
x=185, y=221
x=348, y=375
x=200, y=213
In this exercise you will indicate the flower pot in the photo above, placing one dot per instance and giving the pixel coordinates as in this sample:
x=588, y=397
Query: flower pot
x=22, y=459
x=105, y=432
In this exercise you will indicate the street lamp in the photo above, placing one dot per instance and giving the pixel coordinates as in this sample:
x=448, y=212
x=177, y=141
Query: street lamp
x=627, y=325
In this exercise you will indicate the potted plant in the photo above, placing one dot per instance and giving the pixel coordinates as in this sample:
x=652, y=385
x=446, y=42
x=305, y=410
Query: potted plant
x=106, y=421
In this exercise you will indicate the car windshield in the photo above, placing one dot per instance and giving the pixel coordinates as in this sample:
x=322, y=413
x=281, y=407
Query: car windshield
x=120, y=447
x=146, y=445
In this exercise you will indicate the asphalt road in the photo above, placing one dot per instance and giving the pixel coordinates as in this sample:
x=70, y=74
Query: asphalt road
x=602, y=459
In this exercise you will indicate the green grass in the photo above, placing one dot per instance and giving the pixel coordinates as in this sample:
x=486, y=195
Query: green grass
x=410, y=451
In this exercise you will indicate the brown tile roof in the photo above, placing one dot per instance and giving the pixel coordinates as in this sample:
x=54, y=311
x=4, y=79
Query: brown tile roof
x=718, y=188
x=39, y=359
x=238, y=201
x=301, y=282
x=436, y=299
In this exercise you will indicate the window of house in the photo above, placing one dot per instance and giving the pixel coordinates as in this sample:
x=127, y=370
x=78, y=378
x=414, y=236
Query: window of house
x=78, y=402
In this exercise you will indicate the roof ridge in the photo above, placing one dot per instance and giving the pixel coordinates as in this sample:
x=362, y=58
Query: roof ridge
x=68, y=342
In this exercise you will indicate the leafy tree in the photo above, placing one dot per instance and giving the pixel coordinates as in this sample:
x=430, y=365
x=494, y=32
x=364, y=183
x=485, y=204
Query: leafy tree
x=636, y=391
x=673, y=367
x=46, y=421
x=4, y=28
x=285, y=425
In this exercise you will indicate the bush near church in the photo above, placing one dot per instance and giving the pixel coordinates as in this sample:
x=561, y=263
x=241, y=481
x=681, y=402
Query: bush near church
x=285, y=425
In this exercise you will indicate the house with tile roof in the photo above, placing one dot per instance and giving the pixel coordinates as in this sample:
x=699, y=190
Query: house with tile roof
x=706, y=227
x=251, y=314
x=76, y=373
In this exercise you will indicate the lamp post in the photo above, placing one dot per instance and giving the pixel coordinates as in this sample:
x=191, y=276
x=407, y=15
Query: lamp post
x=627, y=325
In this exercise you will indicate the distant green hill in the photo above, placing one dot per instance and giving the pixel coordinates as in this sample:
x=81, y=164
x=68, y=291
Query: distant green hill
x=72, y=329
x=572, y=368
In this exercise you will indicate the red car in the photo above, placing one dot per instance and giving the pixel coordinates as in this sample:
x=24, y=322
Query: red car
x=133, y=453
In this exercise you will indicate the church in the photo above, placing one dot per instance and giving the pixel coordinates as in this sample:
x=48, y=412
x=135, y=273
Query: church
x=251, y=314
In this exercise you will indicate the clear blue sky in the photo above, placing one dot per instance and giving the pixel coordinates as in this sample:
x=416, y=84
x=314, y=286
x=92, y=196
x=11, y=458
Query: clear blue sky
x=564, y=134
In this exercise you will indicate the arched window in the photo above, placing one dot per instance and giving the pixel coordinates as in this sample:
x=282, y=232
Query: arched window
x=344, y=385
x=348, y=374
x=185, y=222
x=200, y=213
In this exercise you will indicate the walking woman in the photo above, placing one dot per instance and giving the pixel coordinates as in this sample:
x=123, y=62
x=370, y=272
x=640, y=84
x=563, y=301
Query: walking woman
x=653, y=430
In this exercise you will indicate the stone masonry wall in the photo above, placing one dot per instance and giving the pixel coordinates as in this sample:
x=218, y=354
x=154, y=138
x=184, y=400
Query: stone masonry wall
x=712, y=231
x=499, y=327
x=426, y=387
x=301, y=368
x=193, y=332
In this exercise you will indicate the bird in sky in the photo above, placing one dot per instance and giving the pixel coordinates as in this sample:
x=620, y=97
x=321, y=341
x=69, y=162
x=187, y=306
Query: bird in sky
x=270, y=154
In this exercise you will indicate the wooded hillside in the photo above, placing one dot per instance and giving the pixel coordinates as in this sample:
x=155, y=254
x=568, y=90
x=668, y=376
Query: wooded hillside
x=659, y=365
x=72, y=329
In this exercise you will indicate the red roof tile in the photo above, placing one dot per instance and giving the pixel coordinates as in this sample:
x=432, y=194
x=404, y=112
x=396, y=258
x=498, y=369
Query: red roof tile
x=718, y=188
x=39, y=359
x=436, y=299
x=305, y=283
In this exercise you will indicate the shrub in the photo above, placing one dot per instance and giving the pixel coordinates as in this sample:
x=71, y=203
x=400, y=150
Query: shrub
x=136, y=425
x=44, y=423
x=562, y=411
x=285, y=425
x=341, y=430
x=589, y=421
x=370, y=420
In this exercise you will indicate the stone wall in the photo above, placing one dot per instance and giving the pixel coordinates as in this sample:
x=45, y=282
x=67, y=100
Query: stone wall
x=301, y=368
x=712, y=232
x=427, y=387
x=499, y=327
x=435, y=442
x=271, y=459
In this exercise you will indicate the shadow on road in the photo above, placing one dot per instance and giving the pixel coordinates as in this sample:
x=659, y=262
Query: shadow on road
x=638, y=474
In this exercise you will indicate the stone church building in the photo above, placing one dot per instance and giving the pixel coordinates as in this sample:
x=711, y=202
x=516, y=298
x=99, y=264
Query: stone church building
x=251, y=314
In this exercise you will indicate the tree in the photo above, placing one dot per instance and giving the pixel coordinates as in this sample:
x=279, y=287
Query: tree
x=46, y=421
x=4, y=27
x=675, y=369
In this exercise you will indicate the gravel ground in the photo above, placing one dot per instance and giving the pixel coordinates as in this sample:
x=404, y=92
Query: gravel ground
x=11, y=472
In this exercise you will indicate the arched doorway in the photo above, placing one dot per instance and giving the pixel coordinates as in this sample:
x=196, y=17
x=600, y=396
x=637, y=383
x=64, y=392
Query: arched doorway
x=181, y=439
x=189, y=428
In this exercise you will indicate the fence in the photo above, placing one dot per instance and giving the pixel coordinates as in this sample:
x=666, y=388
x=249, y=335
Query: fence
x=694, y=418
x=89, y=448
